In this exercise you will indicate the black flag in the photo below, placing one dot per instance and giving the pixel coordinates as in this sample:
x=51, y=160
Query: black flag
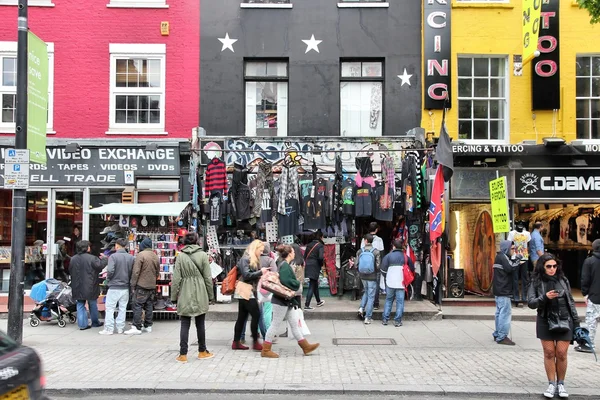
x=443, y=152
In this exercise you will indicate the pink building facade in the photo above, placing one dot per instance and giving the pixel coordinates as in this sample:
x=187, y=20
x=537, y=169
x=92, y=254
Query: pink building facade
x=123, y=103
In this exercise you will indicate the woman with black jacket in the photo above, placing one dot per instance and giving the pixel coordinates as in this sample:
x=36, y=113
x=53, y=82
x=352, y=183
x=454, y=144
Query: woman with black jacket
x=250, y=272
x=550, y=293
x=313, y=259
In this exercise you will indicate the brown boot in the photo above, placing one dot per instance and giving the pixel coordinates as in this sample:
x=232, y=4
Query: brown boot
x=266, y=351
x=307, y=347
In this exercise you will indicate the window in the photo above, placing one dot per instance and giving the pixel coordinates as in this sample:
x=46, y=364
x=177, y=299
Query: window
x=482, y=105
x=138, y=3
x=363, y=3
x=266, y=4
x=361, y=99
x=8, y=86
x=588, y=97
x=137, y=88
x=266, y=98
x=31, y=3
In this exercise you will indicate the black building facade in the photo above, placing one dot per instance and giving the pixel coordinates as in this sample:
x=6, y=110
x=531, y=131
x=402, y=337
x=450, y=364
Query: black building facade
x=310, y=68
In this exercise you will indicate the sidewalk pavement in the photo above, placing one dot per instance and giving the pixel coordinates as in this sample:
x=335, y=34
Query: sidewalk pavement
x=437, y=357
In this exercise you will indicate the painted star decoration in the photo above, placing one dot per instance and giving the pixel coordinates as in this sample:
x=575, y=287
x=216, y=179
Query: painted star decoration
x=405, y=78
x=227, y=43
x=312, y=44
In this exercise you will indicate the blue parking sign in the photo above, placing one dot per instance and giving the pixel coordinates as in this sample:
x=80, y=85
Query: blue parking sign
x=17, y=167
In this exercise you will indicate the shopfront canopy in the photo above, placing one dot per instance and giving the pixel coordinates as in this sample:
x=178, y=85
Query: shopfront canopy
x=147, y=209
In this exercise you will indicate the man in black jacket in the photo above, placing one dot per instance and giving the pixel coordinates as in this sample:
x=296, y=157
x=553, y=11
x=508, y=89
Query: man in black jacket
x=504, y=266
x=590, y=288
x=84, y=269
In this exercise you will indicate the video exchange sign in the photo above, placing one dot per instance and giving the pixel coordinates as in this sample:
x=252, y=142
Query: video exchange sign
x=557, y=184
x=99, y=166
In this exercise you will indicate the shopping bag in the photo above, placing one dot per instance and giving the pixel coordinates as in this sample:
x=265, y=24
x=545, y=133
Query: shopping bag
x=297, y=317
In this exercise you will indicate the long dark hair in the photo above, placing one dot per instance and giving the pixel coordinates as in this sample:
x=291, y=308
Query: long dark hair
x=539, y=271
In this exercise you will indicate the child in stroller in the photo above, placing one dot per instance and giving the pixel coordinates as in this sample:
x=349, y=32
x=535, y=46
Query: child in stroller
x=56, y=304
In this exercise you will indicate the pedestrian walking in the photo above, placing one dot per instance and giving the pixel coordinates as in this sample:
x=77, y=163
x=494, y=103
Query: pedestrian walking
x=120, y=264
x=550, y=294
x=590, y=288
x=378, y=245
x=368, y=260
x=505, y=264
x=85, y=268
x=315, y=255
x=264, y=301
x=192, y=290
x=392, y=269
x=146, y=270
x=250, y=273
x=286, y=309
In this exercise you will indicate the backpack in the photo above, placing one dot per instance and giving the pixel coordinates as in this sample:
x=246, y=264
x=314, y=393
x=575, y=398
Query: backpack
x=409, y=276
x=366, y=262
x=228, y=284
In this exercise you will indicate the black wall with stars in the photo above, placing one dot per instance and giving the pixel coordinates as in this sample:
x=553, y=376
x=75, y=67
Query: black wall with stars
x=392, y=34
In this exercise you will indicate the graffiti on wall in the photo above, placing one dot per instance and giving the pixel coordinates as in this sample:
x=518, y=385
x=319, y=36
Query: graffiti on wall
x=250, y=153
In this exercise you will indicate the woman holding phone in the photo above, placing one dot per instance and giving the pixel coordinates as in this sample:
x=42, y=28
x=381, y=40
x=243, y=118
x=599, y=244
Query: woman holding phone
x=550, y=293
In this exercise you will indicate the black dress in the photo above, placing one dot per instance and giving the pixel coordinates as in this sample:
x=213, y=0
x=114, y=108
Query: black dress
x=564, y=305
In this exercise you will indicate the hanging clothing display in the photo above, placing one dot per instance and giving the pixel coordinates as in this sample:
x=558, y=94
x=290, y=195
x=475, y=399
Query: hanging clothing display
x=316, y=207
x=381, y=199
x=239, y=195
x=348, y=195
x=364, y=201
x=216, y=177
x=288, y=222
x=288, y=186
x=337, y=198
x=262, y=184
x=364, y=171
x=215, y=209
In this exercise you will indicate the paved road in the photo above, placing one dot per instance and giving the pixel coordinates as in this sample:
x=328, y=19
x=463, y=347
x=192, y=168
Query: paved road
x=450, y=358
x=272, y=397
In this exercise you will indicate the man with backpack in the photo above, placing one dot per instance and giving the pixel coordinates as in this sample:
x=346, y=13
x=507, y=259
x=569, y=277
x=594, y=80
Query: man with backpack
x=368, y=259
x=392, y=268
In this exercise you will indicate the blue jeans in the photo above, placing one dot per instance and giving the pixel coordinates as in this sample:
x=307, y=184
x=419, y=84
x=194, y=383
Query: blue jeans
x=261, y=324
x=398, y=294
x=368, y=298
x=503, y=316
x=82, y=316
x=114, y=297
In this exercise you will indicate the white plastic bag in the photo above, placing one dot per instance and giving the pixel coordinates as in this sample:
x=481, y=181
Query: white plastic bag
x=297, y=317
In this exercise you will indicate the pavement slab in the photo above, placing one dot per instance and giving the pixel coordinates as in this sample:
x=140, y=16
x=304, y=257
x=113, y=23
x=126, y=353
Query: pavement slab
x=438, y=357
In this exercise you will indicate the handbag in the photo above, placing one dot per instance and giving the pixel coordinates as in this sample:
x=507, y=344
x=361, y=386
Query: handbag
x=555, y=323
x=409, y=276
x=270, y=282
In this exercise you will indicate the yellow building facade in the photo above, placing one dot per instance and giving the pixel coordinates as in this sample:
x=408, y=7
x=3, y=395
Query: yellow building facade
x=492, y=30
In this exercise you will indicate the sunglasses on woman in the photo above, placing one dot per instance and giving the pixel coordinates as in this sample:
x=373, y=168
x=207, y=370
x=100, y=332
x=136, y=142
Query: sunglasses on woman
x=551, y=266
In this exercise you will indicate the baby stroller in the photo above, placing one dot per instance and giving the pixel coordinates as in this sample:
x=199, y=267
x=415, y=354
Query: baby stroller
x=54, y=302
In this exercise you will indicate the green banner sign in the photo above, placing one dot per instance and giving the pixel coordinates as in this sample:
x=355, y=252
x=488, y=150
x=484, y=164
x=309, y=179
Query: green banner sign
x=500, y=217
x=37, y=98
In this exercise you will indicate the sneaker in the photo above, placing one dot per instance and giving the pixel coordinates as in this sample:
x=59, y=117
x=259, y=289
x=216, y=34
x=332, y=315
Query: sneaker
x=506, y=341
x=321, y=303
x=133, y=331
x=384, y=322
x=375, y=307
x=397, y=324
x=105, y=332
x=562, y=392
x=120, y=331
x=181, y=358
x=308, y=308
x=147, y=329
x=368, y=321
x=361, y=313
x=549, y=393
x=204, y=355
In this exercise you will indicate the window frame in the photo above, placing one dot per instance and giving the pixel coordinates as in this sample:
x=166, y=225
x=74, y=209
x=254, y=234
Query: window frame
x=363, y=4
x=275, y=4
x=278, y=79
x=137, y=4
x=506, y=115
x=10, y=49
x=363, y=79
x=120, y=51
x=31, y=3
x=589, y=98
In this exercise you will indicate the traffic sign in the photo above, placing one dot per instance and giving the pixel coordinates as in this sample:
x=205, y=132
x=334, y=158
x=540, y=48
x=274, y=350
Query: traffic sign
x=14, y=156
x=16, y=176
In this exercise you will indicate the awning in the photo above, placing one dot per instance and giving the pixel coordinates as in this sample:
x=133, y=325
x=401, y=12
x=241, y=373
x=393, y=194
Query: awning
x=143, y=209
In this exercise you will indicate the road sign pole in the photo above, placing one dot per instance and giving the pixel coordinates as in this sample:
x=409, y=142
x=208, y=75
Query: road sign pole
x=19, y=214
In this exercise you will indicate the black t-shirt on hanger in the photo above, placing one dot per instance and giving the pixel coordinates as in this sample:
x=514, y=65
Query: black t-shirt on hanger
x=364, y=201
x=314, y=214
x=348, y=192
x=379, y=213
x=288, y=223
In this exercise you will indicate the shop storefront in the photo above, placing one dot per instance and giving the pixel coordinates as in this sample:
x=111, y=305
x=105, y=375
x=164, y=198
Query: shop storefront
x=557, y=185
x=78, y=178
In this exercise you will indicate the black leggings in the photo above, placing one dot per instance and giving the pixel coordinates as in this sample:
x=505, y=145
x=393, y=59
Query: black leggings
x=246, y=307
x=184, y=333
x=313, y=289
